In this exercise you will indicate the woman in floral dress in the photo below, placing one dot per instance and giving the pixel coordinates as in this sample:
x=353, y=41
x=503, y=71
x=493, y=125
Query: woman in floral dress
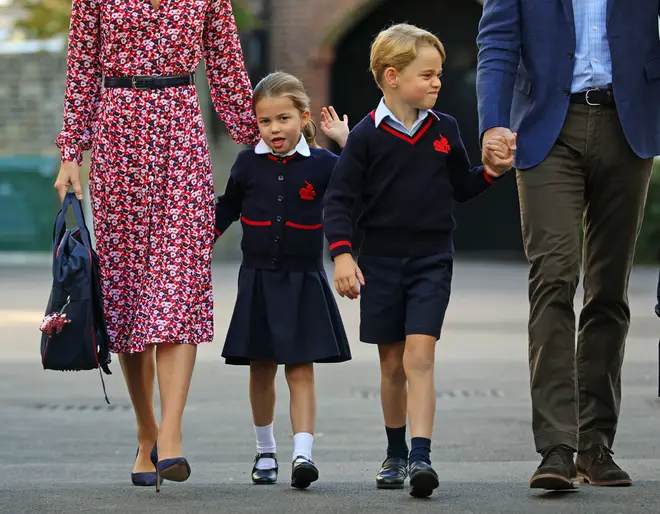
x=151, y=186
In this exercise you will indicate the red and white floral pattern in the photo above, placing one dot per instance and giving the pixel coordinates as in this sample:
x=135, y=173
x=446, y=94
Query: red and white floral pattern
x=151, y=182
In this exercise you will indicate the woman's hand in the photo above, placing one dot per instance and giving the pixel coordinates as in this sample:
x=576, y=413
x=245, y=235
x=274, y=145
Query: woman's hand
x=69, y=176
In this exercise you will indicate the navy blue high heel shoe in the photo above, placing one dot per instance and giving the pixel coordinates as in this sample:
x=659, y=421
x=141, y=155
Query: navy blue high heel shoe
x=146, y=478
x=175, y=470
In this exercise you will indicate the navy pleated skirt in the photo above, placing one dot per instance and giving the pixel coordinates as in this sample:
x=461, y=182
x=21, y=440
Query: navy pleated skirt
x=289, y=317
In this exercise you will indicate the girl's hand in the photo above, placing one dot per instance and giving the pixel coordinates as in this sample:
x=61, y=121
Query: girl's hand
x=69, y=176
x=333, y=127
x=346, y=273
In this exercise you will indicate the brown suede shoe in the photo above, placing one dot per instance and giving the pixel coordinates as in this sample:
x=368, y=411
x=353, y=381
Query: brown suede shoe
x=557, y=470
x=596, y=466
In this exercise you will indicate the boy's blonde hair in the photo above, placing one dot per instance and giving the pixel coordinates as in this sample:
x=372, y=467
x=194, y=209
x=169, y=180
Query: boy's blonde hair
x=281, y=83
x=397, y=47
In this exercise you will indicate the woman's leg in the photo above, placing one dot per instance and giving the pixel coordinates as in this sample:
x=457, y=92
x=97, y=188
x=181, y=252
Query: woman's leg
x=175, y=367
x=262, y=401
x=139, y=373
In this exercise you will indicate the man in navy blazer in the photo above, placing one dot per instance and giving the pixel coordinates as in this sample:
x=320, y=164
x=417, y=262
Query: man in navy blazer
x=579, y=81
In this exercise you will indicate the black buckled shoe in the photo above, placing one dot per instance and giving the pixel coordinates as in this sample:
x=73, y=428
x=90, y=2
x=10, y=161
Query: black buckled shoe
x=392, y=474
x=557, y=470
x=264, y=476
x=423, y=479
x=596, y=466
x=303, y=472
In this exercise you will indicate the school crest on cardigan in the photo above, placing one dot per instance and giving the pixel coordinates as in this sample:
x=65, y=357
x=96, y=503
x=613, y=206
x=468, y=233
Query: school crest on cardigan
x=307, y=192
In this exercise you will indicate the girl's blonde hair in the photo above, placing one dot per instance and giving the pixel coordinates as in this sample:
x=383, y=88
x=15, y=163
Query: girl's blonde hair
x=397, y=46
x=279, y=84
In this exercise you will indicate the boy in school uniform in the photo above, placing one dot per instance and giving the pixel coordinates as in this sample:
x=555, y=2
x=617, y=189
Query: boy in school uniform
x=408, y=164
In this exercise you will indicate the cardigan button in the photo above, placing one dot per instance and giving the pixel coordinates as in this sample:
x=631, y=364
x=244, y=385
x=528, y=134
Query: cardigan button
x=273, y=260
x=280, y=198
x=277, y=239
x=279, y=219
x=280, y=178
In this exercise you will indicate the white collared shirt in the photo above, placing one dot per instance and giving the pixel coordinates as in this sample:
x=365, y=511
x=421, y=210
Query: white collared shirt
x=383, y=113
x=302, y=148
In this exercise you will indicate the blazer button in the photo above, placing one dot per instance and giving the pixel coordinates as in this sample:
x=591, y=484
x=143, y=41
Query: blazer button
x=280, y=178
x=567, y=92
x=273, y=260
x=277, y=239
x=280, y=198
x=279, y=219
x=570, y=55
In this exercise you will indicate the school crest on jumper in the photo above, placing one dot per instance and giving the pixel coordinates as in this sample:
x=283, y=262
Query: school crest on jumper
x=441, y=144
x=307, y=192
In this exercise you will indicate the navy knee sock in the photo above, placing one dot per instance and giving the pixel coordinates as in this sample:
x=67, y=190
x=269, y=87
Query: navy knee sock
x=420, y=449
x=396, y=442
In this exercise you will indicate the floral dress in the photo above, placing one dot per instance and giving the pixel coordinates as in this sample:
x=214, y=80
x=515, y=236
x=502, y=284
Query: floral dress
x=151, y=183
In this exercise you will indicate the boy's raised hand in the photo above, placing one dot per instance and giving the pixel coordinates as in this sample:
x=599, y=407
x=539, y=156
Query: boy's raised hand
x=498, y=155
x=334, y=127
x=346, y=273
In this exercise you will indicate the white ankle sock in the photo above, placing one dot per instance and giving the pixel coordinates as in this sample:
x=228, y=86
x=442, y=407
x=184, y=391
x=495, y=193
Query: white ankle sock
x=265, y=444
x=302, y=445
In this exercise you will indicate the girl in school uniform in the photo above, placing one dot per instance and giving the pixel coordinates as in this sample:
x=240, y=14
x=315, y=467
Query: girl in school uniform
x=285, y=312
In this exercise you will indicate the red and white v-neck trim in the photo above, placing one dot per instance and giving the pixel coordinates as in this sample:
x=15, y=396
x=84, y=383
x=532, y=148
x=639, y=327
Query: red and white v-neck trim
x=408, y=139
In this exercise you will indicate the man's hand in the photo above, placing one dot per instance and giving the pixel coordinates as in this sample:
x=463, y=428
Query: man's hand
x=495, y=160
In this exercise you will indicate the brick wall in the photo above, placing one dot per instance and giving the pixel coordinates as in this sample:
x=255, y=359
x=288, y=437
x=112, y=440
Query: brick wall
x=302, y=38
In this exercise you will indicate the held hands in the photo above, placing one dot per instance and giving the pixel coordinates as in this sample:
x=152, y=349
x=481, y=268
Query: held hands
x=69, y=176
x=346, y=273
x=333, y=127
x=497, y=154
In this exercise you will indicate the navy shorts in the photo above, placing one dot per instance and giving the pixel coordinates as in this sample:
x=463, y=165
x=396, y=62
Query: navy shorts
x=403, y=296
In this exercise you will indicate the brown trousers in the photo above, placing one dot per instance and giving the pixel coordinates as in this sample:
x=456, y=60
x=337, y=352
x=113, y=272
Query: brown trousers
x=589, y=192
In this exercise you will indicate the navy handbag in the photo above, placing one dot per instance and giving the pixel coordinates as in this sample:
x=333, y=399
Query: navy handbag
x=74, y=335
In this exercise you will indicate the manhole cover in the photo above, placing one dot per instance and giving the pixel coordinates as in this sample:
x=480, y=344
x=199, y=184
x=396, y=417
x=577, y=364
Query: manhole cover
x=81, y=407
x=457, y=394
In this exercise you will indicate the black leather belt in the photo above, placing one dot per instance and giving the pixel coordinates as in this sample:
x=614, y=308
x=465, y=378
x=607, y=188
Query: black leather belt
x=600, y=96
x=149, y=81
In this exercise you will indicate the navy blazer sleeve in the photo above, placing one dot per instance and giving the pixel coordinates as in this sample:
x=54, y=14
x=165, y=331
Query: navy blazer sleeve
x=229, y=205
x=468, y=181
x=499, y=55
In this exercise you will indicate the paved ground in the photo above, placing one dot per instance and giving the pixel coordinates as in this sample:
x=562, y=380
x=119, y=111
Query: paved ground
x=63, y=450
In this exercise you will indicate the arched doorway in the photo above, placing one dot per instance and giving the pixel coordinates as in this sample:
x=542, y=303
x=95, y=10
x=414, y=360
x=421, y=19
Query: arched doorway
x=489, y=224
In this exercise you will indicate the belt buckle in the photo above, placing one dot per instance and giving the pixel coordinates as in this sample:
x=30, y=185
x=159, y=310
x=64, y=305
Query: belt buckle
x=134, y=78
x=586, y=97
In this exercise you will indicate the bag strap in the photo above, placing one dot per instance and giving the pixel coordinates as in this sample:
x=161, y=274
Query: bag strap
x=60, y=223
x=657, y=306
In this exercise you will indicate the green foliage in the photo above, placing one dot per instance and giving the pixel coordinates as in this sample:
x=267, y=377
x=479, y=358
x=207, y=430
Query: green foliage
x=648, y=244
x=45, y=19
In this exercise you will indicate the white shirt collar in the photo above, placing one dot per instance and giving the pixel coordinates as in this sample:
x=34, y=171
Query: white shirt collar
x=302, y=148
x=383, y=111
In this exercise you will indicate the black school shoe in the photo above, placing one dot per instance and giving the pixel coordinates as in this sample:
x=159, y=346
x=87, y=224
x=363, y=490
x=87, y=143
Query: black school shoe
x=264, y=476
x=557, y=470
x=596, y=466
x=392, y=474
x=303, y=472
x=423, y=479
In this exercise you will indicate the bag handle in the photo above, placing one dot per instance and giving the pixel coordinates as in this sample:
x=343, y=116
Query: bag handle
x=60, y=223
